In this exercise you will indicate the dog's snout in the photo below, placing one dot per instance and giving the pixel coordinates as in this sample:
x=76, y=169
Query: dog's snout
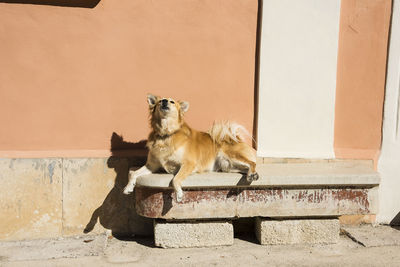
x=164, y=104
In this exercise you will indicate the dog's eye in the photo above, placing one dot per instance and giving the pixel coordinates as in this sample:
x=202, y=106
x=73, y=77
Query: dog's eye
x=172, y=102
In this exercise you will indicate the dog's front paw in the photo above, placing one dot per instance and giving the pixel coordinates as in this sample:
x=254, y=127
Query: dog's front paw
x=179, y=195
x=129, y=189
x=252, y=177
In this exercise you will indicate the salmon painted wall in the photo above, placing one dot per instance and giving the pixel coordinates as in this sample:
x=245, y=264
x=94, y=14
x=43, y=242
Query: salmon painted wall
x=361, y=73
x=70, y=77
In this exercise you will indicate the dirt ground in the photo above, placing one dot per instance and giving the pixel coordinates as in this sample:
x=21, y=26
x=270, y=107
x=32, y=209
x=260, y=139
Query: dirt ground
x=358, y=246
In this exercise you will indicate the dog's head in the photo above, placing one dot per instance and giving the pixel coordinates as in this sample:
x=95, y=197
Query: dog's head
x=166, y=114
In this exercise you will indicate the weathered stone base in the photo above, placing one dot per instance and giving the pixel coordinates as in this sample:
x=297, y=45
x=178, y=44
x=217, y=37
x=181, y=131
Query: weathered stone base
x=282, y=190
x=302, y=231
x=192, y=234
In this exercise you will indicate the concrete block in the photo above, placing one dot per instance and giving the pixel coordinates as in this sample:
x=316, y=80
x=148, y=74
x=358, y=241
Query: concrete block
x=30, y=198
x=192, y=234
x=306, y=231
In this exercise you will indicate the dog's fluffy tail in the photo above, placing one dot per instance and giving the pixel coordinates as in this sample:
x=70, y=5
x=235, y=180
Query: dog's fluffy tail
x=229, y=132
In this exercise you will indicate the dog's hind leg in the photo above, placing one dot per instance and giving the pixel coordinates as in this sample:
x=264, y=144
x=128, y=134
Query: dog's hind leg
x=186, y=169
x=243, y=158
x=249, y=167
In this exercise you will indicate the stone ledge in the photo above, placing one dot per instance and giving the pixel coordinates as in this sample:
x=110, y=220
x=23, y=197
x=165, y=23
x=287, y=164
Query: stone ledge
x=278, y=175
x=285, y=232
x=283, y=190
x=253, y=202
x=192, y=234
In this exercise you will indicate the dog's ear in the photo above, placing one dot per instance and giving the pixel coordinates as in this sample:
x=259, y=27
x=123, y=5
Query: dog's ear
x=184, y=106
x=152, y=100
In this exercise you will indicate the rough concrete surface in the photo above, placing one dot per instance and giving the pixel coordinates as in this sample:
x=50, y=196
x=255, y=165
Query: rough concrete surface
x=50, y=198
x=30, y=198
x=83, y=178
x=192, y=234
x=46, y=249
x=311, y=231
x=93, y=198
x=245, y=251
x=374, y=236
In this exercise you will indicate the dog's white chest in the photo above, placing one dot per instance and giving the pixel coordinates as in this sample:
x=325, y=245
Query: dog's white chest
x=172, y=162
x=169, y=159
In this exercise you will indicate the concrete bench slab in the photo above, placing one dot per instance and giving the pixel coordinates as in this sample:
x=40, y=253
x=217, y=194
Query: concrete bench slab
x=282, y=175
x=283, y=190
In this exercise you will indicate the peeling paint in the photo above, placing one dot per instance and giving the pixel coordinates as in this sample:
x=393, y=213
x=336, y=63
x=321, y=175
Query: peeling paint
x=36, y=164
x=42, y=221
x=11, y=166
x=251, y=202
x=50, y=167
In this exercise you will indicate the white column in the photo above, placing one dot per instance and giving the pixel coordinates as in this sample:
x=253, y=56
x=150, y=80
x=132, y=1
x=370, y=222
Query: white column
x=298, y=64
x=389, y=161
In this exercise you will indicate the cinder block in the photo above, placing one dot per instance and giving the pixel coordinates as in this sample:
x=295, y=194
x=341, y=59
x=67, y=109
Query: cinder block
x=192, y=234
x=303, y=231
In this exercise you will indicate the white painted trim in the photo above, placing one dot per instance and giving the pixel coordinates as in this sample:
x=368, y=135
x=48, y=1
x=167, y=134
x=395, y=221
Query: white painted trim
x=298, y=64
x=389, y=161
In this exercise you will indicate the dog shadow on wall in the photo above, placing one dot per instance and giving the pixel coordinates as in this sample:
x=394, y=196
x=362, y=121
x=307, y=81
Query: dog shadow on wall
x=65, y=3
x=117, y=212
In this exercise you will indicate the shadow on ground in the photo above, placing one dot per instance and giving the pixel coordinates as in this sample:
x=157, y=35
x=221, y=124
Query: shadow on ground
x=395, y=222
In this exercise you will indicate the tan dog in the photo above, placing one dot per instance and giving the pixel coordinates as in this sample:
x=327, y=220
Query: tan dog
x=181, y=150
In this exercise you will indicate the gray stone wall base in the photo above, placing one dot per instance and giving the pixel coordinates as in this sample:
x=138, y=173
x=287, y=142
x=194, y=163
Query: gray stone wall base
x=302, y=231
x=192, y=234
